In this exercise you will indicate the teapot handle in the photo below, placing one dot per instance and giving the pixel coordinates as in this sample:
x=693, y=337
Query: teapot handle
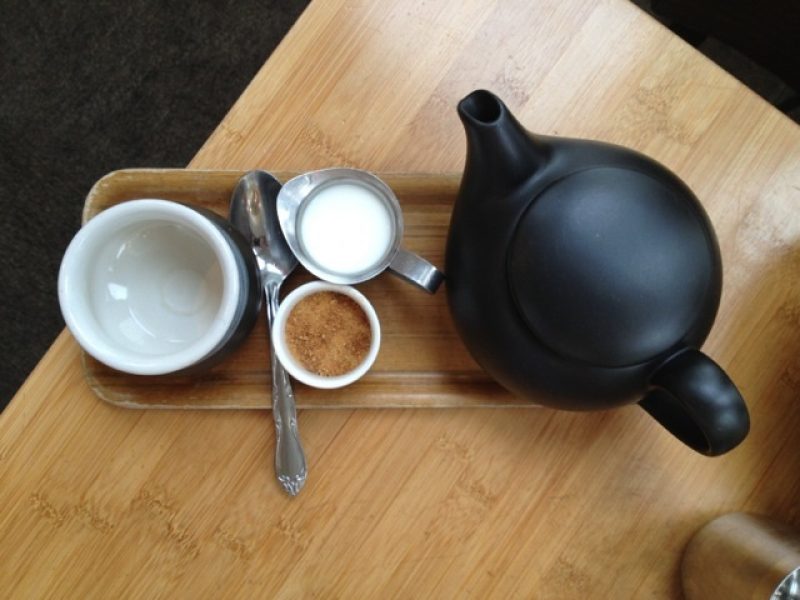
x=694, y=399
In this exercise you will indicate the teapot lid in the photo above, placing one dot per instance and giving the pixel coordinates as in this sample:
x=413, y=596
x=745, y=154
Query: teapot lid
x=612, y=267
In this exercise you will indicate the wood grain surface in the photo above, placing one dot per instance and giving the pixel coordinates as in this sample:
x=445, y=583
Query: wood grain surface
x=422, y=362
x=100, y=501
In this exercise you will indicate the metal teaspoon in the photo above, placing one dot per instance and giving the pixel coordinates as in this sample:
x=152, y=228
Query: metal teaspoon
x=253, y=212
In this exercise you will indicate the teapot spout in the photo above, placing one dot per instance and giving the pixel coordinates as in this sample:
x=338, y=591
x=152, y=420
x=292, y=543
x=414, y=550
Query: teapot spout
x=500, y=152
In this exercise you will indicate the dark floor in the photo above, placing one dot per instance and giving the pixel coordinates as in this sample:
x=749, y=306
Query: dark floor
x=88, y=87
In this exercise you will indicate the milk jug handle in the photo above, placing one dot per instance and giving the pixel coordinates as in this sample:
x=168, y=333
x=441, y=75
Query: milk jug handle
x=415, y=269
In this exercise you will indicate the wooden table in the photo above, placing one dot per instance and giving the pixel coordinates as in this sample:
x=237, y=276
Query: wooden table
x=99, y=501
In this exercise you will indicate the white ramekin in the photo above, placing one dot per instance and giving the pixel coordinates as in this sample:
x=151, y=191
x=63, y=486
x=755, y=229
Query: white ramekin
x=293, y=366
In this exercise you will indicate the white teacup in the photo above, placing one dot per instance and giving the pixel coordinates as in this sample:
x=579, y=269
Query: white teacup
x=152, y=287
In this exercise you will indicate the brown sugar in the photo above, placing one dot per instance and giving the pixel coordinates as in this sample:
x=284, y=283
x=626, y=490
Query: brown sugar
x=328, y=333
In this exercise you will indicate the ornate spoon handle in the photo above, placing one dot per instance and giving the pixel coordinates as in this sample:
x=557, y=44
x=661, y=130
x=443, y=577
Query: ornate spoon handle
x=290, y=460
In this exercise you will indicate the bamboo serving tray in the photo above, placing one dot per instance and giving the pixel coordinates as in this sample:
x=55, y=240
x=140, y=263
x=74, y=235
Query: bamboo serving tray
x=422, y=362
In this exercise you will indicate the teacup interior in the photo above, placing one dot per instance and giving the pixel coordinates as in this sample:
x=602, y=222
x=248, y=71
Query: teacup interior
x=155, y=287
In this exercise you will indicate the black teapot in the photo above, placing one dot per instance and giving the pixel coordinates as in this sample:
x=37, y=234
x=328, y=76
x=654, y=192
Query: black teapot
x=584, y=275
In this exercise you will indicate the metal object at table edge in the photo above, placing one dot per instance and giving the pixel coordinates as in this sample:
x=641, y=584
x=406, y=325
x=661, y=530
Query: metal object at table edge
x=789, y=588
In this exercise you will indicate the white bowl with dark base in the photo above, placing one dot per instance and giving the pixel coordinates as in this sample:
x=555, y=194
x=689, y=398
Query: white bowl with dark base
x=151, y=287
